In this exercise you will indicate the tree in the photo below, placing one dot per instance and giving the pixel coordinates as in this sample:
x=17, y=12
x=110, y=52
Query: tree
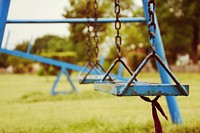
x=171, y=14
x=3, y=60
x=179, y=24
x=105, y=9
x=54, y=47
x=191, y=13
x=50, y=46
x=78, y=36
x=50, y=43
x=22, y=46
x=20, y=65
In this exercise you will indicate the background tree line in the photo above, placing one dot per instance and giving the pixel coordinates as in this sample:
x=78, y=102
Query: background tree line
x=178, y=21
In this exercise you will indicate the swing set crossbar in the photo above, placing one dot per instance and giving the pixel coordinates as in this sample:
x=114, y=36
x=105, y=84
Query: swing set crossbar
x=139, y=89
x=75, y=20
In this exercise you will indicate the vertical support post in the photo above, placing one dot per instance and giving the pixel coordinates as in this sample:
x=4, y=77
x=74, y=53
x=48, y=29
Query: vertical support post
x=7, y=39
x=171, y=100
x=4, y=8
x=102, y=59
x=29, y=46
x=120, y=70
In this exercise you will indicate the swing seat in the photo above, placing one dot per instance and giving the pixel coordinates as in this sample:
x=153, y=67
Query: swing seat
x=139, y=88
x=90, y=79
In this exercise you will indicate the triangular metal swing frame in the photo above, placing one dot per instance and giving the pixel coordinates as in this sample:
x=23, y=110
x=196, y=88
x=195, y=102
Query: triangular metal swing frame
x=88, y=78
x=86, y=68
x=119, y=59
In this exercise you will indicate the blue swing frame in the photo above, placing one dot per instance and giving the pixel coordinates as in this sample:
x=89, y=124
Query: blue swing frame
x=4, y=8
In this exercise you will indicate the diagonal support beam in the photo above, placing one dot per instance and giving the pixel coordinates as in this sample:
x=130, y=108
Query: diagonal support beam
x=63, y=70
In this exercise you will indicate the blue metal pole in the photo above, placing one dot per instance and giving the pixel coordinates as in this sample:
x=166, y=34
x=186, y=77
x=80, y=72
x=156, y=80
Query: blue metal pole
x=77, y=20
x=102, y=59
x=56, y=82
x=63, y=70
x=120, y=70
x=4, y=7
x=7, y=39
x=171, y=100
x=69, y=79
x=43, y=59
x=29, y=45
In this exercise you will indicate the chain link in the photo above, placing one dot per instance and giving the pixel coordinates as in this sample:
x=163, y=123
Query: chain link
x=151, y=23
x=88, y=30
x=118, y=39
x=96, y=49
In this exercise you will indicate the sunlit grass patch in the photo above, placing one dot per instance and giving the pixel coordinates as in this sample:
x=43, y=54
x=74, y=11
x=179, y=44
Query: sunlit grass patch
x=26, y=105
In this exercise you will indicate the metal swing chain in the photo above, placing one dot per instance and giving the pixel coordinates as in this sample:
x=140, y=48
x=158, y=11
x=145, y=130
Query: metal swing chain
x=151, y=32
x=151, y=24
x=88, y=31
x=118, y=39
x=118, y=42
x=96, y=49
x=154, y=103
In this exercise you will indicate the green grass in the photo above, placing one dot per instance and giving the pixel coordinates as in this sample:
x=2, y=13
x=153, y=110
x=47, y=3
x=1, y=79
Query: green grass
x=26, y=106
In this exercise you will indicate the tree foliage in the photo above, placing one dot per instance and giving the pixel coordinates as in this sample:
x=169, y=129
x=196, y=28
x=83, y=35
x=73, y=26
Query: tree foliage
x=130, y=33
x=49, y=46
x=51, y=43
x=14, y=61
x=54, y=47
x=178, y=19
x=179, y=24
x=3, y=60
x=20, y=65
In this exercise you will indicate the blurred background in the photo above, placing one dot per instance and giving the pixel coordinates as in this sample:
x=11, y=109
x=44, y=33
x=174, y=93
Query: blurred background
x=25, y=102
x=178, y=21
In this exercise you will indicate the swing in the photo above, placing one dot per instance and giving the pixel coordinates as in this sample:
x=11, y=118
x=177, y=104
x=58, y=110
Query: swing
x=133, y=87
x=88, y=78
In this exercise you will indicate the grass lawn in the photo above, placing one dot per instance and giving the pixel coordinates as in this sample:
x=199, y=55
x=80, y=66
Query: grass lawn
x=26, y=106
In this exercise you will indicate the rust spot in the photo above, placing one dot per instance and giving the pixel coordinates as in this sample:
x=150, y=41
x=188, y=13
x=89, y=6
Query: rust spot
x=159, y=93
x=134, y=93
